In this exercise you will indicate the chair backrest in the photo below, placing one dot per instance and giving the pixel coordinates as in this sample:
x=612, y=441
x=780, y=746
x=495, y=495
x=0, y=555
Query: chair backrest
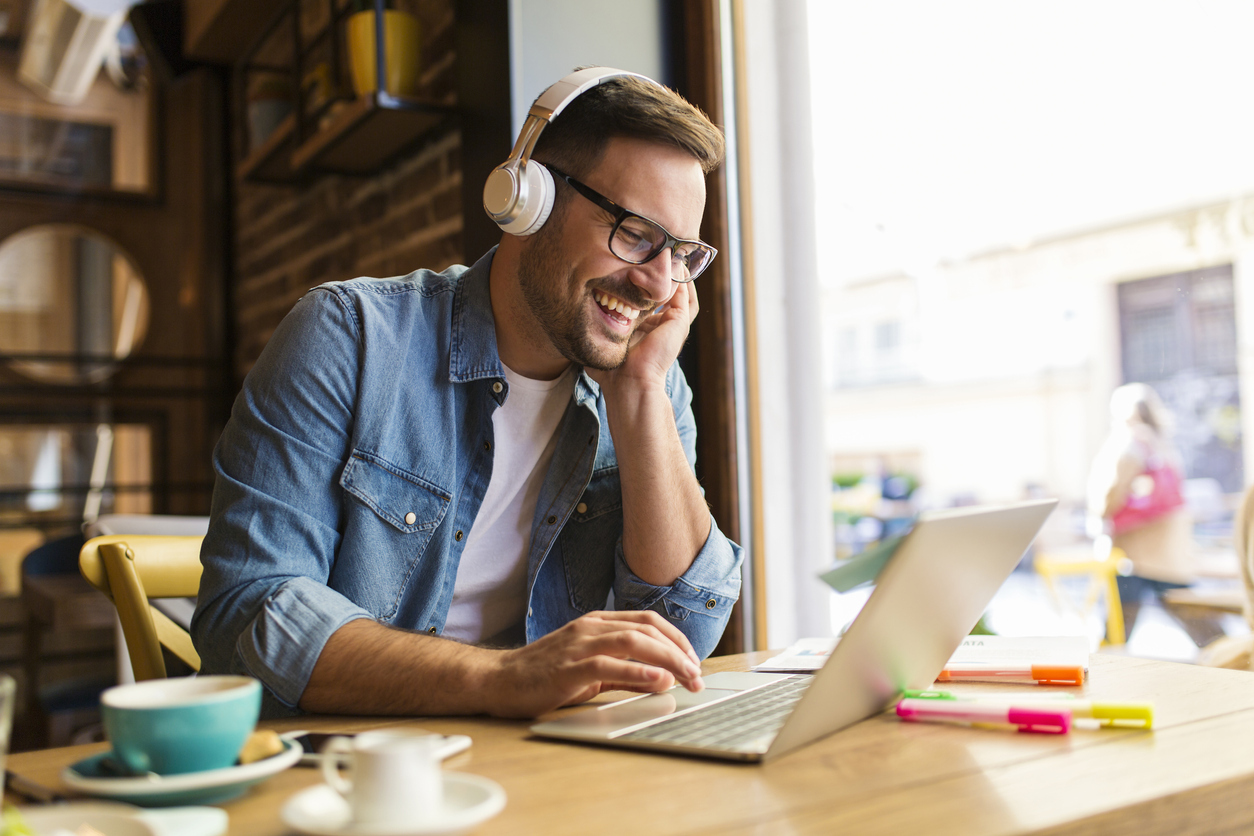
x=1243, y=543
x=131, y=569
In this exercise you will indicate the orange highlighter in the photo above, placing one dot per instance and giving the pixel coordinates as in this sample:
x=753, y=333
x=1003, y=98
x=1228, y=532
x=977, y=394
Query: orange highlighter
x=1037, y=674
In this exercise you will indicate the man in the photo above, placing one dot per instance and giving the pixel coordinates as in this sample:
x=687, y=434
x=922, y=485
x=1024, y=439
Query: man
x=472, y=491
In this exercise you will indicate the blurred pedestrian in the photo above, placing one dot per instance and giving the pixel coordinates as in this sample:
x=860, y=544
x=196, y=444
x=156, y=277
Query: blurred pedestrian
x=1136, y=500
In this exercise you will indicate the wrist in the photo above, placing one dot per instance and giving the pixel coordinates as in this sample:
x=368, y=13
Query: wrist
x=484, y=679
x=635, y=399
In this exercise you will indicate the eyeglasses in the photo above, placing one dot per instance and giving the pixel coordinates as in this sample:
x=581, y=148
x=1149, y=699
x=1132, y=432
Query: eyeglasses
x=637, y=240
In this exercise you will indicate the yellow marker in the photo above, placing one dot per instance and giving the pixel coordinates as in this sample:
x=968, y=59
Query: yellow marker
x=1120, y=715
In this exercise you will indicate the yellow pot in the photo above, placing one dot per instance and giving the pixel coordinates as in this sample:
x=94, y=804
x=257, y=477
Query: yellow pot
x=402, y=42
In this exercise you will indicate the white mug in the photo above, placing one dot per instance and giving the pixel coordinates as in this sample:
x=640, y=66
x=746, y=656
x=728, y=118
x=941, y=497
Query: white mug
x=395, y=777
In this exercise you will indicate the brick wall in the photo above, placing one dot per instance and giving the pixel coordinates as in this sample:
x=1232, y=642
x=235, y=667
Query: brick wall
x=291, y=238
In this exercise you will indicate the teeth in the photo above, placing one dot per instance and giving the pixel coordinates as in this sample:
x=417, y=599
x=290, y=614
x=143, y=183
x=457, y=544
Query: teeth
x=612, y=304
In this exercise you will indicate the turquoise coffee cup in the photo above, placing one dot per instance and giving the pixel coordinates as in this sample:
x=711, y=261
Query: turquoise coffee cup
x=173, y=726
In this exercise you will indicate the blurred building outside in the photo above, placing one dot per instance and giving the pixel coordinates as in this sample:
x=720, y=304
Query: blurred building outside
x=987, y=379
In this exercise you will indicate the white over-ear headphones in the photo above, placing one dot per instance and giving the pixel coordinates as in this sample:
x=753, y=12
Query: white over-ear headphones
x=519, y=192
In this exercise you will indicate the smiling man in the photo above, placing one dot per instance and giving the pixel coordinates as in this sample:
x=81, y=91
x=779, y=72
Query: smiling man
x=473, y=491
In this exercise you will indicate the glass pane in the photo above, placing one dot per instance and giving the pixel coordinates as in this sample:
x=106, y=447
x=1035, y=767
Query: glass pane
x=1000, y=251
x=103, y=142
x=67, y=290
x=54, y=472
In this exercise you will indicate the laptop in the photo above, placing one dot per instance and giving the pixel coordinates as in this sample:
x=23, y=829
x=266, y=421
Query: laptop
x=925, y=602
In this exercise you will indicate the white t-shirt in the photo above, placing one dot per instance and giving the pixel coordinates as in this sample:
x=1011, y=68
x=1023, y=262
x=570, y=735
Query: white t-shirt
x=490, y=593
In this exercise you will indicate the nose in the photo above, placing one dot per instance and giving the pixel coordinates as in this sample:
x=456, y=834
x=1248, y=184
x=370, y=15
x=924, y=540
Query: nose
x=654, y=277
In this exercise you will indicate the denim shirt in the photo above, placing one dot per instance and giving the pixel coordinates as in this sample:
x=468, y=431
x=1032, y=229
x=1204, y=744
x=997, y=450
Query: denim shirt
x=354, y=463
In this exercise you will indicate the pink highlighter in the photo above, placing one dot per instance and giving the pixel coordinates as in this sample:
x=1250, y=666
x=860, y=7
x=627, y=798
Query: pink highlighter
x=987, y=715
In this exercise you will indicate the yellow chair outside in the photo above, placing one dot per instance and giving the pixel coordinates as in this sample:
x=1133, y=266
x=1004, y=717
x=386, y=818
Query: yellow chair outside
x=1101, y=573
x=132, y=569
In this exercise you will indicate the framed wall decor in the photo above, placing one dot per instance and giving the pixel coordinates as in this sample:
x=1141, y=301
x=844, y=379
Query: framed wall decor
x=105, y=145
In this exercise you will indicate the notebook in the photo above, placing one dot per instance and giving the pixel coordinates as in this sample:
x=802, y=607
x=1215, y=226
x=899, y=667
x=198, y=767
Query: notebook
x=1049, y=660
x=925, y=602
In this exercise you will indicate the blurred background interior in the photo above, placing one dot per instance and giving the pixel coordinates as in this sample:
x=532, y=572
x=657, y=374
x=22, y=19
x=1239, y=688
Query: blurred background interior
x=948, y=233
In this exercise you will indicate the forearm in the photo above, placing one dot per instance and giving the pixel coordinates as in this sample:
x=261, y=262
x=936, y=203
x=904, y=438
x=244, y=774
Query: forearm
x=368, y=668
x=665, y=518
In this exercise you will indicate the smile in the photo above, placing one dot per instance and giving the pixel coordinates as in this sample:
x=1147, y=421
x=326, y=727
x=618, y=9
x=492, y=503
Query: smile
x=615, y=306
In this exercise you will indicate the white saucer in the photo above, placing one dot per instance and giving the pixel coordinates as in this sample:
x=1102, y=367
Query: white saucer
x=109, y=819
x=114, y=819
x=208, y=787
x=468, y=801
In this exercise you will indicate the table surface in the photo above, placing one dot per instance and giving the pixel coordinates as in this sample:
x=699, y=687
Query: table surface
x=1193, y=773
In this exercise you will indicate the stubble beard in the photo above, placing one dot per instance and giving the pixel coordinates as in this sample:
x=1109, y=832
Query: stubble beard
x=544, y=278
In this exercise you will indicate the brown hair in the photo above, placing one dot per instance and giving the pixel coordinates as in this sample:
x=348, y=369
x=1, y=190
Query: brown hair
x=627, y=107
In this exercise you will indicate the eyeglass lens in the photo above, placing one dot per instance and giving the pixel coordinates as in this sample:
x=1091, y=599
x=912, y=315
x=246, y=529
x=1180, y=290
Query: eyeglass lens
x=636, y=239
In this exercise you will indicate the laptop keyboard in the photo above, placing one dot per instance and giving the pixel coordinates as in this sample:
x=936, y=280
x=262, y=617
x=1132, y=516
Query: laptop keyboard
x=732, y=723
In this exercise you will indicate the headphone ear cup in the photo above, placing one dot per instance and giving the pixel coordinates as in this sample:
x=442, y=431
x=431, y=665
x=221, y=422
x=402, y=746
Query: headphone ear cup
x=519, y=197
x=538, y=191
x=502, y=193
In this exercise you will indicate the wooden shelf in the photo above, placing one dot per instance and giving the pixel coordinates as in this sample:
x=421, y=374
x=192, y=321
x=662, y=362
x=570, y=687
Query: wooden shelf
x=272, y=162
x=365, y=134
x=344, y=135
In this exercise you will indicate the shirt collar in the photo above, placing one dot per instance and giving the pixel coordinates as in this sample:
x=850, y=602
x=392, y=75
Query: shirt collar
x=472, y=353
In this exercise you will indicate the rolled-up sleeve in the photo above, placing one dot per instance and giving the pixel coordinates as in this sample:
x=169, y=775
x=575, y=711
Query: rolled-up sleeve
x=700, y=601
x=264, y=607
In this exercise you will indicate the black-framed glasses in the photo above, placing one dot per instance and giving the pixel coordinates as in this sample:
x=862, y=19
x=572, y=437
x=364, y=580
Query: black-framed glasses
x=636, y=240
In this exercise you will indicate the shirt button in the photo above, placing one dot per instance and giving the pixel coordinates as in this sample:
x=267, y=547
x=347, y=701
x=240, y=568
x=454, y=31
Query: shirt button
x=487, y=445
x=528, y=612
x=582, y=507
x=458, y=536
x=410, y=517
x=552, y=520
x=711, y=604
x=497, y=387
x=431, y=631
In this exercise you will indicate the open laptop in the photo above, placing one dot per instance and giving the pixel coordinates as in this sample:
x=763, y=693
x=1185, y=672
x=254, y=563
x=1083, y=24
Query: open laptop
x=925, y=602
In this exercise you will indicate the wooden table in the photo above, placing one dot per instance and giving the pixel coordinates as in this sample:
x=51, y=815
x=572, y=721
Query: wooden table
x=1194, y=773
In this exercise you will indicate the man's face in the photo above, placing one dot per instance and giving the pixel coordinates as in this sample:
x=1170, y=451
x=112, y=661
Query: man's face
x=587, y=301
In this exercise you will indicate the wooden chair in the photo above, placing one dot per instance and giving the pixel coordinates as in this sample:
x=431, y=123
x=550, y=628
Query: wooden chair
x=133, y=569
x=1237, y=652
x=67, y=659
x=1101, y=573
x=1243, y=543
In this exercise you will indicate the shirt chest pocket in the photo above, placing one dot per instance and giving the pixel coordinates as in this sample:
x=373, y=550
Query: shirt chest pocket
x=589, y=540
x=390, y=534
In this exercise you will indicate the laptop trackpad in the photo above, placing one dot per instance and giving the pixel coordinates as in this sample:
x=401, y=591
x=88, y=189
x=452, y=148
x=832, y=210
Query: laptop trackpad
x=606, y=719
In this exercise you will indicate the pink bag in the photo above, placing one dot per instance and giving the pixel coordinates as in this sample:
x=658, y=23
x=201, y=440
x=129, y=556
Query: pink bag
x=1145, y=506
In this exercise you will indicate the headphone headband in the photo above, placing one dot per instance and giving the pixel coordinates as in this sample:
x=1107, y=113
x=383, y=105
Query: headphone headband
x=518, y=194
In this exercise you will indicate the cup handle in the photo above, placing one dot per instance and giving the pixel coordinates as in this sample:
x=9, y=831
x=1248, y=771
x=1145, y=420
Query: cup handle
x=332, y=753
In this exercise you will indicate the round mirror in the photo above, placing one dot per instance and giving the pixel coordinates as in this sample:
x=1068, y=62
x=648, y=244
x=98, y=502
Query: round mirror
x=66, y=290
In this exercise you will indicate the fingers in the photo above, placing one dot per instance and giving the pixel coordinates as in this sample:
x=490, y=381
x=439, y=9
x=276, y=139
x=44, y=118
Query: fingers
x=652, y=619
x=635, y=650
x=623, y=674
x=684, y=301
x=639, y=646
x=646, y=637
